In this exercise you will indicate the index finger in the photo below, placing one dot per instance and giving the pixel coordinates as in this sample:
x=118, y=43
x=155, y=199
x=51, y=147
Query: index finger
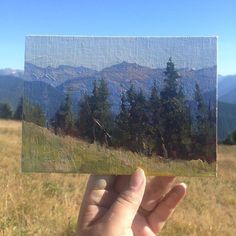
x=97, y=199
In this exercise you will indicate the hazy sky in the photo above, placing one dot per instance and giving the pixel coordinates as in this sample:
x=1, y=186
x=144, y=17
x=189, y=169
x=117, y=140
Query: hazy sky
x=100, y=52
x=105, y=17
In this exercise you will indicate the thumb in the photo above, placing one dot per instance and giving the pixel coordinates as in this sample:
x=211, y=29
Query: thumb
x=124, y=209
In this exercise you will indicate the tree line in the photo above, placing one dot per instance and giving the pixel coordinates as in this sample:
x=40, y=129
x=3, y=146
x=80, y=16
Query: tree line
x=163, y=123
x=6, y=112
x=231, y=139
x=32, y=112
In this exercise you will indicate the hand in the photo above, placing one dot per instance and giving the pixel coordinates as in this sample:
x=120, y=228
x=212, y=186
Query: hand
x=125, y=205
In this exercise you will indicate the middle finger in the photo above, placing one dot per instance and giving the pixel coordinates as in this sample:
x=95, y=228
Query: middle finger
x=156, y=190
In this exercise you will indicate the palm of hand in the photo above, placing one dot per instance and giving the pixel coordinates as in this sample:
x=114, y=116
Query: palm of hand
x=111, y=208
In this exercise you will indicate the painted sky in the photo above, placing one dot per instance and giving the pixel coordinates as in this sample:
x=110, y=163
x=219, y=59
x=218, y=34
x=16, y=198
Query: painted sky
x=106, y=17
x=100, y=52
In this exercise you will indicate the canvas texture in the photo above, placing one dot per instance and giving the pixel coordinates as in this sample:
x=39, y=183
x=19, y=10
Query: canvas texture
x=107, y=105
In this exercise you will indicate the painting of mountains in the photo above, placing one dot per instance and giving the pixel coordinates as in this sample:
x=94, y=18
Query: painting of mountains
x=107, y=105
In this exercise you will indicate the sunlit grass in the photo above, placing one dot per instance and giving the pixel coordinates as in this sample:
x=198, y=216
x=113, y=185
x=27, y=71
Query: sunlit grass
x=48, y=204
x=44, y=152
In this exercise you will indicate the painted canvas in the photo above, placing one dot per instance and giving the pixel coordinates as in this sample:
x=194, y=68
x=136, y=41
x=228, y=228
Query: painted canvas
x=107, y=105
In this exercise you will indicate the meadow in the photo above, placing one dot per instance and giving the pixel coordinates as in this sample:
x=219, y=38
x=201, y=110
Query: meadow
x=43, y=151
x=48, y=204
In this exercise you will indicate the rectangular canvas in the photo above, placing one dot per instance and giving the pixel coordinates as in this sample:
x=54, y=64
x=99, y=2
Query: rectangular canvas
x=107, y=105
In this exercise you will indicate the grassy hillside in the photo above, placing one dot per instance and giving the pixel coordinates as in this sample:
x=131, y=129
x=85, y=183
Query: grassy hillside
x=48, y=204
x=44, y=152
x=226, y=119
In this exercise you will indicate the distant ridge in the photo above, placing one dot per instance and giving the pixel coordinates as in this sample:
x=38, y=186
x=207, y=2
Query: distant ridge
x=227, y=89
x=79, y=80
x=55, y=76
x=11, y=89
x=12, y=72
x=227, y=120
x=120, y=74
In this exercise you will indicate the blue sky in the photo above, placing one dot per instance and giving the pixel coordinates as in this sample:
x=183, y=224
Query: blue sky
x=121, y=17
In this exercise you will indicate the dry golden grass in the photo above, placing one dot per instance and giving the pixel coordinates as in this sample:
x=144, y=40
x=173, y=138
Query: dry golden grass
x=48, y=204
x=34, y=204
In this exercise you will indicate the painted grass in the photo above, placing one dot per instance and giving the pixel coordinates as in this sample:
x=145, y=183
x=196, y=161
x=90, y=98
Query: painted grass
x=45, y=152
x=48, y=204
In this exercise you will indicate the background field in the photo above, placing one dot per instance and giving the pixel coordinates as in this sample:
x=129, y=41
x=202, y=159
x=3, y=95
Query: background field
x=48, y=204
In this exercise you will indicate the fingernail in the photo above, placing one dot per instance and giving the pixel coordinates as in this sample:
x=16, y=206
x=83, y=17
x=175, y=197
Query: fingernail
x=137, y=179
x=181, y=191
x=184, y=185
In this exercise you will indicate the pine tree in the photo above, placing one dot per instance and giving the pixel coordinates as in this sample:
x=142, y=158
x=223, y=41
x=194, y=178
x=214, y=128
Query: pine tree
x=132, y=120
x=201, y=115
x=5, y=111
x=39, y=116
x=85, y=120
x=69, y=118
x=154, y=125
x=122, y=129
x=205, y=128
x=173, y=111
x=64, y=118
x=33, y=113
x=171, y=82
x=231, y=139
x=96, y=109
x=140, y=121
x=104, y=113
x=201, y=126
x=19, y=110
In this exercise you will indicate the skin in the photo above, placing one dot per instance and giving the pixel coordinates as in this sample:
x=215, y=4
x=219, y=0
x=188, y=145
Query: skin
x=127, y=205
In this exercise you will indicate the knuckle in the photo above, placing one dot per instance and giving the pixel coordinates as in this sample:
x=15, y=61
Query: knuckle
x=129, y=198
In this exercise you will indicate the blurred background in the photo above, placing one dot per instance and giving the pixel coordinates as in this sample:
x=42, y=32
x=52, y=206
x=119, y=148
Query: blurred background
x=48, y=204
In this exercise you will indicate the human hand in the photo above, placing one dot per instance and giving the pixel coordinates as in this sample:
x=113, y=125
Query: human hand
x=126, y=205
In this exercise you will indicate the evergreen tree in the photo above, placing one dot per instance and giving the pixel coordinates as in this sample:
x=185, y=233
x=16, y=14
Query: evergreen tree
x=95, y=117
x=185, y=123
x=201, y=115
x=173, y=111
x=122, y=129
x=85, y=120
x=154, y=124
x=202, y=124
x=19, y=110
x=102, y=112
x=231, y=139
x=33, y=113
x=205, y=128
x=132, y=120
x=139, y=121
x=64, y=118
x=171, y=81
x=5, y=111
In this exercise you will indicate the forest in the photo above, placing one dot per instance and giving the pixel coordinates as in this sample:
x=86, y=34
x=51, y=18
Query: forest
x=162, y=123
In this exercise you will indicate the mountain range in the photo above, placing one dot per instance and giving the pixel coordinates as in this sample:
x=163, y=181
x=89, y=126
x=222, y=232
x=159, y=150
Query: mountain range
x=52, y=84
x=13, y=72
x=227, y=89
x=119, y=77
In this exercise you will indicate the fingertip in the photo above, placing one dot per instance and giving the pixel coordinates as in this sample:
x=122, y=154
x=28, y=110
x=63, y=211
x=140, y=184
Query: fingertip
x=181, y=189
x=184, y=185
x=98, y=182
x=137, y=179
